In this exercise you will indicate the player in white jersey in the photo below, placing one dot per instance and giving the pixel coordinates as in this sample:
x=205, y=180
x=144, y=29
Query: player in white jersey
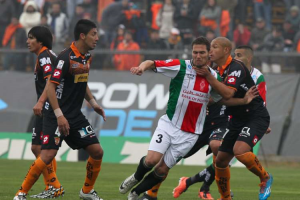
x=178, y=129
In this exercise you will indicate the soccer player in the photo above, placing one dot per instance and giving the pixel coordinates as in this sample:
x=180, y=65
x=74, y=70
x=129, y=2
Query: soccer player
x=178, y=129
x=39, y=42
x=244, y=54
x=248, y=124
x=63, y=119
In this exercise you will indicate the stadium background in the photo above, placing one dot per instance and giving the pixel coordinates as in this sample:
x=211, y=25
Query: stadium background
x=134, y=104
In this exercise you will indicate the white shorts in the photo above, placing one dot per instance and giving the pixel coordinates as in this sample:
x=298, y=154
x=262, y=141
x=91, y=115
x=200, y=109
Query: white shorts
x=171, y=141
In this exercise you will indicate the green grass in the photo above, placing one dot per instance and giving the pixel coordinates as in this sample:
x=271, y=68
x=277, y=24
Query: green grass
x=71, y=175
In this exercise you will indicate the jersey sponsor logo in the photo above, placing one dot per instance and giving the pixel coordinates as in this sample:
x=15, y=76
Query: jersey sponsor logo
x=60, y=64
x=60, y=89
x=45, y=139
x=255, y=140
x=244, y=87
x=81, y=78
x=47, y=68
x=231, y=80
x=189, y=66
x=57, y=73
x=44, y=61
x=191, y=76
x=245, y=132
x=235, y=73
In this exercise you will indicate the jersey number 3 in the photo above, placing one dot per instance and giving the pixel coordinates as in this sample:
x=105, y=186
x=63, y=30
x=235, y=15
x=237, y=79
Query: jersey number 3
x=160, y=136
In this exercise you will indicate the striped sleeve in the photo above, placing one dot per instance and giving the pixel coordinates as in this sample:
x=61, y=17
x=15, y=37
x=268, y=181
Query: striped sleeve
x=169, y=68
x=262, y=87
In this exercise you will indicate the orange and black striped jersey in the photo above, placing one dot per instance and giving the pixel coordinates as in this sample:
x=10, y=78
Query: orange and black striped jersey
x=71, y=76
x=43, y=69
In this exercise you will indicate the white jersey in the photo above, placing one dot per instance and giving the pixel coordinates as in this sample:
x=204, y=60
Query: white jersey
x=189, y=94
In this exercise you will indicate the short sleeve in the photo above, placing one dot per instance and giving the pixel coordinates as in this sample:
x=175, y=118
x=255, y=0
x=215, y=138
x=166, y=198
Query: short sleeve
x=61, y=69
x=46, y=65
x=236, y=76
x=169, y=68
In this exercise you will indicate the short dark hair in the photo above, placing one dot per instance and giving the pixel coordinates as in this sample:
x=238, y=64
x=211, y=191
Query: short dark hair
x=202, y=40
x=83, y=26
x=43, y=35
x=245, y=47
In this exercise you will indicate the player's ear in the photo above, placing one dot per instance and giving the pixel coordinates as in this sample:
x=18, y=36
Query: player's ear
x=82, y=36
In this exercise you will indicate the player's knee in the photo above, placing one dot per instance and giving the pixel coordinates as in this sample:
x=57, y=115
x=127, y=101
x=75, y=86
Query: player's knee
x=221, y=163
x=214, y=145
x=161, y=170
x=150, y=162
x=48, y=157
x=97, y=155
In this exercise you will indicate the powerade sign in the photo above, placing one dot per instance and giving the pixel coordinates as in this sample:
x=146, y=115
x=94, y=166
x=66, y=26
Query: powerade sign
x=132, y=109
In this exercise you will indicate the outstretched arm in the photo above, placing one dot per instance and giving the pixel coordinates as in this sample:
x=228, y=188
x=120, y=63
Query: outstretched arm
x=148, y=64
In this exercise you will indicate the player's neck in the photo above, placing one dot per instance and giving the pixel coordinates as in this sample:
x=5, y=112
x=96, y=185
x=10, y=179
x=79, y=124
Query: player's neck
x=81, y=47
x=222, y=61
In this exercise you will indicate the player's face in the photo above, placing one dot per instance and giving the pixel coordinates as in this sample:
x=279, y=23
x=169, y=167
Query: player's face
x=92, y=38
x=216, y=51
x=240, y=54
x=200, y=55
x=32, y=44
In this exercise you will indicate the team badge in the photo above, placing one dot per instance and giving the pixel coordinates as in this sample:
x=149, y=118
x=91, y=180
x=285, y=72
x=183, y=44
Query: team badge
x=57, y=140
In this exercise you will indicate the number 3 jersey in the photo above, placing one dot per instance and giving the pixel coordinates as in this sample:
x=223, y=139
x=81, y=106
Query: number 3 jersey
x=71, y=76
x=43, y=69
x=189, y=94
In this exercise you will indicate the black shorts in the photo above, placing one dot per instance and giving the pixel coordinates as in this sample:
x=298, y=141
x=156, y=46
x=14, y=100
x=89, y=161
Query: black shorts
x=37, y=131
x=81, y=134
x=249, y=131
x=209, y=134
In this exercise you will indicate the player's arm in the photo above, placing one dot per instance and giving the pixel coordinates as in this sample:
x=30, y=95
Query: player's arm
x=37, y=109
x=148, y=64
x=57, y=75
x=249, y=96
x=89, y=97
x=219, y=87
x=62, y=122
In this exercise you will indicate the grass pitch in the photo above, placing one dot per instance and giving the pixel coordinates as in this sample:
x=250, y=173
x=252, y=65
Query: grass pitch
x=71, y=175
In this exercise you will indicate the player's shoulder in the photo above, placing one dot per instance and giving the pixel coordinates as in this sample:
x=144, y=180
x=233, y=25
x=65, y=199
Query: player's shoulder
x=256, y=72
x=237, y=68
x=237, y=64
x=65, y=54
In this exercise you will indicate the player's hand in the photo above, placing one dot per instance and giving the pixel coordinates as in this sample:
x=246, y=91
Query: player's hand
x=63, y=125
x=98, y=109
x=136, y=71
x=268, y=130
x=251, y=94
x=37, y=109
x=203, y=71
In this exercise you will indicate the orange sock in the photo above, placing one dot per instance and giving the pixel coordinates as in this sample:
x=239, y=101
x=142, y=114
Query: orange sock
x=50, y=177
x=54, y=164
x=154, y=190
x=32, y=176
x=93, y=168
x=252, y=163
x=222, y=180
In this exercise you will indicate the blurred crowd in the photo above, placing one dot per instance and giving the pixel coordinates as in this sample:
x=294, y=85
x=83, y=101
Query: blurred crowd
x=126, y=25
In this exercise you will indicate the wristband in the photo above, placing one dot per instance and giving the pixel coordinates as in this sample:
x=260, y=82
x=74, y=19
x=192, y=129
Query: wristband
x=93, y=103
x=58, y=112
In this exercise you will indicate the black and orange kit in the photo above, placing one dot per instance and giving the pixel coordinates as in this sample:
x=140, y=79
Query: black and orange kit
x=249, y=122
x=42, y=71
x=71, y=76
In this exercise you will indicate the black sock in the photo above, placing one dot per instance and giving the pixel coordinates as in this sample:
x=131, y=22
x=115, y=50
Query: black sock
x=142, y=169
x=209, y=178
x=197, y=178
x=149, y=181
